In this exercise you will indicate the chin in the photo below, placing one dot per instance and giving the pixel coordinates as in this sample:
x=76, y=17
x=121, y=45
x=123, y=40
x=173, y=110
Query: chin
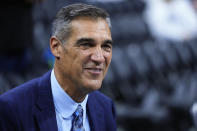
x=93, y=85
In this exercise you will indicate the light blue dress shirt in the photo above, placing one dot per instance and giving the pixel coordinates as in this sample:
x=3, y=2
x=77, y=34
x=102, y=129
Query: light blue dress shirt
x=65, y=106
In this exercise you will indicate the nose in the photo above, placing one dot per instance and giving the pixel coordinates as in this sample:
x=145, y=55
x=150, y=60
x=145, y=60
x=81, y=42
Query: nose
x=98, y=56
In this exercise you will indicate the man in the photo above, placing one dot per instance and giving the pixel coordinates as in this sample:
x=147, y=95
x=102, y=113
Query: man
x=65, y=98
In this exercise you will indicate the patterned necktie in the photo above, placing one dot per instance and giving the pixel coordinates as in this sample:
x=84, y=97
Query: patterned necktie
x=77, y=124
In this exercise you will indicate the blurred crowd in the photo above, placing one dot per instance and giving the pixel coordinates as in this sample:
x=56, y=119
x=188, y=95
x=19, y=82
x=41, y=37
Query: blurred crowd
x=153, y=74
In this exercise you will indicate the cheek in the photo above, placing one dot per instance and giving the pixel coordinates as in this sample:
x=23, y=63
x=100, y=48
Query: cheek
x=79, y=60
x=70, y=61
x=108, y=58
x=84, y=57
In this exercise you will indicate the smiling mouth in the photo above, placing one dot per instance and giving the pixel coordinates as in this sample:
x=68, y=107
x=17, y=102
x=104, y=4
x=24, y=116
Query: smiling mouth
x=95, y=71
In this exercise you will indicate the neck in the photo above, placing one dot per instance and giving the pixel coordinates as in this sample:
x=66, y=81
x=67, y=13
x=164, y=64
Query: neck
x=71, y=89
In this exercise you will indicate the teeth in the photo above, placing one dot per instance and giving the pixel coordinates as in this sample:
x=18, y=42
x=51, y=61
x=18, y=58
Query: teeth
x=97, y=70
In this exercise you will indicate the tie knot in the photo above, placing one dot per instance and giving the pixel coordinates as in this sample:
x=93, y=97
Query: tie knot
x=78, y=111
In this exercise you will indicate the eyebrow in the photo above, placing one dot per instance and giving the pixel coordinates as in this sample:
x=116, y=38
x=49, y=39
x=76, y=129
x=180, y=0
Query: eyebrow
x=91, y=41
x=108, y=41
x=84, y=40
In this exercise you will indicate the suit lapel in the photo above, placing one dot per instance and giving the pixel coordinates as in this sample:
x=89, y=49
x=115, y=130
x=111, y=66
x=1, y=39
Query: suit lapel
x=45, y=111
x=95, y=114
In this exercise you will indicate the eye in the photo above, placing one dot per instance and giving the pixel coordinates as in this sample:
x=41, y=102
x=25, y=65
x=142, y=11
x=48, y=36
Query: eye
x=86, y=45
x=107, y=47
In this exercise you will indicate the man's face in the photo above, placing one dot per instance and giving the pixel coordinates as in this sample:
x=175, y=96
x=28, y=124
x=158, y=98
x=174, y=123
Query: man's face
x=86, y=55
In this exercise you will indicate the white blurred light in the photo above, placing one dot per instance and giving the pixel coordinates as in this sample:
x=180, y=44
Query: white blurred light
x=105, y=0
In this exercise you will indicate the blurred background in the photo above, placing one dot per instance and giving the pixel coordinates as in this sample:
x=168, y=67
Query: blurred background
x=153, y=74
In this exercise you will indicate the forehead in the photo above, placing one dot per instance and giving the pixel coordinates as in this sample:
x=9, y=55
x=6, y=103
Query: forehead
x=89, y=27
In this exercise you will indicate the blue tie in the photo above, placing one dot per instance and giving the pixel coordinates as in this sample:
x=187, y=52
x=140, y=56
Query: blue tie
x=77, y=124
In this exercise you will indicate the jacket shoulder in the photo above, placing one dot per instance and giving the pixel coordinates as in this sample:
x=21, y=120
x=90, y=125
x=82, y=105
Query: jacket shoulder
x=20, y=92
x=13, y=105
x=26, y=90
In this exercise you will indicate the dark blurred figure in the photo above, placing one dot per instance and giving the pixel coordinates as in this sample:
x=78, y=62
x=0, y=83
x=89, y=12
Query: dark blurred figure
x=16, y=34
x=16, y=44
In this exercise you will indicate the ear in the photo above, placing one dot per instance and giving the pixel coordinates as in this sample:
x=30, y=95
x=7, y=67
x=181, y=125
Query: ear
x=55, y=46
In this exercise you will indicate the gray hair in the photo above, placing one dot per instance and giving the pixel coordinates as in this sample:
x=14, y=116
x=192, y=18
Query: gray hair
x=61, y=25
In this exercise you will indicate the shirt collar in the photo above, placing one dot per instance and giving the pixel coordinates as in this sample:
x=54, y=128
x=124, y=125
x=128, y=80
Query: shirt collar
x=64, y=104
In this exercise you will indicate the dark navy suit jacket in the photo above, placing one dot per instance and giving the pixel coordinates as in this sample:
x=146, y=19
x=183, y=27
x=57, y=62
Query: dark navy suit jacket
x=30, y=107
